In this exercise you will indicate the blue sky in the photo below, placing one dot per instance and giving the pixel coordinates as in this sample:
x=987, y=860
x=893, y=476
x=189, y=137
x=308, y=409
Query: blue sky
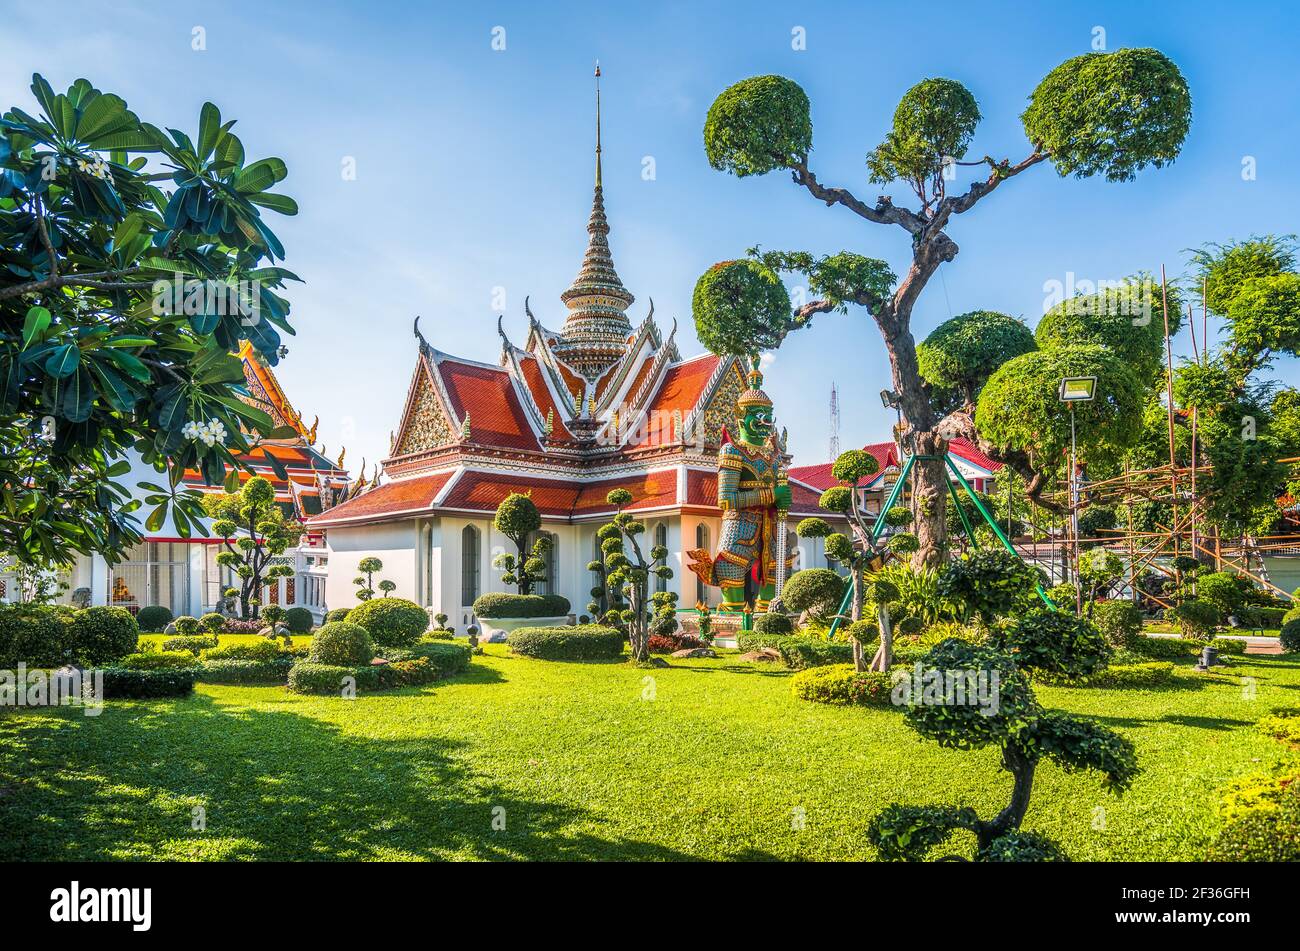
x=474, y=166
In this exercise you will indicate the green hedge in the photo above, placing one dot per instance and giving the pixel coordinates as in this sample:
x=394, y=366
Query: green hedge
x=841, y=684
x=102, y=635
x=1165, y=648
x=245, y=671
x=1152, y=673
x=390, y=622
x=159, y=660
x=193, y=643
x=1120, y=622
x=445, y=657
x=262, y=649
x=580, y=642
x=500, y=605
x=798, y=652
x=777, y=624
x=309, y=677
x=1228, y=645
x=1290, y=636
x=338, y=614
x=125, y=684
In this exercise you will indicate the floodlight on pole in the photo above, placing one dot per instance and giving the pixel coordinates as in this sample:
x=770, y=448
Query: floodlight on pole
x=1076, y=389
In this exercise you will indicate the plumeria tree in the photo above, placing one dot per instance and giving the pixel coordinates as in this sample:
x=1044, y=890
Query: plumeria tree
x=254, y=533
x=1107, y=114
x=132, y=263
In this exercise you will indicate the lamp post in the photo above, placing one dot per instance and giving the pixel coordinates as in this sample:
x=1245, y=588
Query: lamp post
x=1076, y=389
x=890, y=400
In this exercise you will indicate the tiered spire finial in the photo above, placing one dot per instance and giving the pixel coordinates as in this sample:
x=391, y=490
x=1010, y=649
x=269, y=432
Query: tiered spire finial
x=595, y=332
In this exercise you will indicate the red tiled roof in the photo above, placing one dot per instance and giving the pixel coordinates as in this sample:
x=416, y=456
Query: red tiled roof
x=535, y=379
x=391, y=498
x=701, y=487
x=681, y=389
x=496, y=416
x=804, y=501
x=649, y=490
x=969, y=452
x=483, y=492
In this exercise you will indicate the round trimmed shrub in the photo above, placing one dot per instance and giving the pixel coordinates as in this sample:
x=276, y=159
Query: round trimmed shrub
x=186, y=626
x=338, y=614
x=814, y=591
x=773, y=623
x=298, y=620
x=1290, y=636
x=38, y=635
x=103, y=635
x=342, y=644
x=154, y=618
x=987, y=582
x=212, y=623
x=1195, y=618
x=1120, y=622
x=390, y=622
x=585, y=642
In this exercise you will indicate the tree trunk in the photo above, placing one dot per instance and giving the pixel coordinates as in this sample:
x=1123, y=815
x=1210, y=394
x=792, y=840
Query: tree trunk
x=636, y=628
x=885, y=653
x=1008, y=820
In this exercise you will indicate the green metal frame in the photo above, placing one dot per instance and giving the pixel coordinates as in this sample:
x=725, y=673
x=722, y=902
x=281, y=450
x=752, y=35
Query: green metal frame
x=961, y=512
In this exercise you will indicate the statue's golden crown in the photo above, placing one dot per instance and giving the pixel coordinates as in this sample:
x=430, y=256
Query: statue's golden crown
x=753, y=395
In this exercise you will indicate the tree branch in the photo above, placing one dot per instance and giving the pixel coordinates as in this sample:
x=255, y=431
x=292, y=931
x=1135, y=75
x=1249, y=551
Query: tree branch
x=1000, y=172
x=95, y=279
x=884, y=212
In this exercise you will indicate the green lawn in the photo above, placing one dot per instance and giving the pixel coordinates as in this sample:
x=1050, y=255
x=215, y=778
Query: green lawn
x=707, y=760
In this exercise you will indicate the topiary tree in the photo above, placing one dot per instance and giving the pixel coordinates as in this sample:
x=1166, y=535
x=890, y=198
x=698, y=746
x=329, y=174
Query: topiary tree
x=125, y=291
x=961, y=353
x=254, y=533
x=815, y=593
x=606, y=602
x=517, y=518
x=627, y=576
x=763, y=124
x=369, y=566
x=154, y=618
x=212, y=623
x=987, y=583
x=965, y=696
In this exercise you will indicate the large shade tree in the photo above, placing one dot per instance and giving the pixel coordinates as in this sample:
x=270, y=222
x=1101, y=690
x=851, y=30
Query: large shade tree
x=1107, y=114
x=125, y=285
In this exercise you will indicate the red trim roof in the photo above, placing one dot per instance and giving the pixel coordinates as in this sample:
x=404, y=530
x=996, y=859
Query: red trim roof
x=391, y=498
x=496, y=417
x=483, y=492
x=681, y=389
x=535, y=379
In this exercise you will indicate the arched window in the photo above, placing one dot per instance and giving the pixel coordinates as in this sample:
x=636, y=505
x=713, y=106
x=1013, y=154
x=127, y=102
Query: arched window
x=661, y=540
x=469, y=558
x=701, y=541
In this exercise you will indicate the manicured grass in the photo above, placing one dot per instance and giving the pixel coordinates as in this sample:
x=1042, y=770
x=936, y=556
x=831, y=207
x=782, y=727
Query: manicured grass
x=711, y=759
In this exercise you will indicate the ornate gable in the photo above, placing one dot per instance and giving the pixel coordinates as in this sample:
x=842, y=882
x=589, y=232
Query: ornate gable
x=425, y=425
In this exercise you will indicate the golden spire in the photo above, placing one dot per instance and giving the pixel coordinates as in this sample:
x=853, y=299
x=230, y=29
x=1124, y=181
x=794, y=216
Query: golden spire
x=598, y=123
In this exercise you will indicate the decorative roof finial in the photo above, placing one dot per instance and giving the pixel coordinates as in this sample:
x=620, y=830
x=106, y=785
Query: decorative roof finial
x=597, y=123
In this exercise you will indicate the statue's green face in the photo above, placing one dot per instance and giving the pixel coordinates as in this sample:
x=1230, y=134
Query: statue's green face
x=756, y=425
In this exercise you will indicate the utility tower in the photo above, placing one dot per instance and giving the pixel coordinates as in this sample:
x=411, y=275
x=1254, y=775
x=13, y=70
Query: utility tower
x=835, y=423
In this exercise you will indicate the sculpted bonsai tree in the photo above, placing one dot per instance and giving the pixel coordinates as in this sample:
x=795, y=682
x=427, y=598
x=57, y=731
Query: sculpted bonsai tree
x=253, y=533
x=961, y=354
x=627, y=577
x=967, y=697
x=123, y=293
x=763, y=124
x=365, y=582
x=517, y=518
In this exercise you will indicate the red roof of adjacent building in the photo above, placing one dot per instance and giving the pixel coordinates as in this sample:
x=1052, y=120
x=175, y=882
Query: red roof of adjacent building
x=384, y=501
x=681, y=389
x=886, y=455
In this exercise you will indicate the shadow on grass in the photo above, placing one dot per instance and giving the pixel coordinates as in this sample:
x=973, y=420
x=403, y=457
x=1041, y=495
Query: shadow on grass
x=742, y=669
x=275, y=784
x=1204, y=723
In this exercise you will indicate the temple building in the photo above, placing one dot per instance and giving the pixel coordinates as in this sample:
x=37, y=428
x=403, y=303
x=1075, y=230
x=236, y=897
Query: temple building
x=181, y=574
x=565, y=415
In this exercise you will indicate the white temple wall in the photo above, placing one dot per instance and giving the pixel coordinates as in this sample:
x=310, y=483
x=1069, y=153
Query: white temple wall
x=393, y=543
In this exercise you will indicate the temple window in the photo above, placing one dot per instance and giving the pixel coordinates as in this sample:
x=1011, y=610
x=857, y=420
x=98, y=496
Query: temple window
x=469, y=567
